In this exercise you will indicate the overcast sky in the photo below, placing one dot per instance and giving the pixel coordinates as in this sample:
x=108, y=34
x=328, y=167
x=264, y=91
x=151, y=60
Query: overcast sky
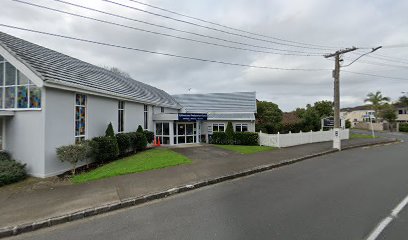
x=321, y=22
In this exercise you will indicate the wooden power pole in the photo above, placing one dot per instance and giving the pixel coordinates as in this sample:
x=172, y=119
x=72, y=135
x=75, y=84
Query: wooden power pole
x=336, y=76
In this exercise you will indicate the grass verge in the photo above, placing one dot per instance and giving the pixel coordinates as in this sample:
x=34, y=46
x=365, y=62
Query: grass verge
x=246, y=149
x=141, y=162
x=361, y=136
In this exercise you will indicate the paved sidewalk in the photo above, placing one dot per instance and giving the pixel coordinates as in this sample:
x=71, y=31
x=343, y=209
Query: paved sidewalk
x=19, y=207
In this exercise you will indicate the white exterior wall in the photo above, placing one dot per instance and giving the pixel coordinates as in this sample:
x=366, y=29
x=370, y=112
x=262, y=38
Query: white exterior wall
x=24, y=139
x=205, y=124
x=60, y=117
x=59, y=128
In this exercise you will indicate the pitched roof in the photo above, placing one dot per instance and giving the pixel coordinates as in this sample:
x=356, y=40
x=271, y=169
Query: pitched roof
x=357, y=108
x=58, y=68
x=236, y=102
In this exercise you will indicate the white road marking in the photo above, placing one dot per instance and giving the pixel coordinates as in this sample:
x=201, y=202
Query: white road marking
x=384, y=223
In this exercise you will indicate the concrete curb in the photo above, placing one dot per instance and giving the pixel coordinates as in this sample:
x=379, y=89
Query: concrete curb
x=28, y=227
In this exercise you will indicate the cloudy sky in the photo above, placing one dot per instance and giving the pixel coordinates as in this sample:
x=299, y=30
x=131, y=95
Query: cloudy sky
x=334, y=24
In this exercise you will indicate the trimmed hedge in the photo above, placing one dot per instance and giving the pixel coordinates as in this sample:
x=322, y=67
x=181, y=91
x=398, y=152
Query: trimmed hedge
x=246, y=138
x=239, y=138
x=124, y=142
x=149, y=136
x=403, y=127
x=105, y=148
x=219, y=138
x=138, y=141
x=10, y=170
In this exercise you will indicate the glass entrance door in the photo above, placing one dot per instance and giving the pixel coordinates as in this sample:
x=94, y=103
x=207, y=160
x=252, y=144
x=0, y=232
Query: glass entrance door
x=186, y=133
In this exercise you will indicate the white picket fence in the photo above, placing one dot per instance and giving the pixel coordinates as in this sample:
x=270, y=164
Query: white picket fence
x=293, y=139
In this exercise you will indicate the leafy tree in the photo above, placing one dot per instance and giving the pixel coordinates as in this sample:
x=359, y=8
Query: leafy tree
x=324, y=108
x=73, y=154
x=109, y=131
x=229, y=131
x=118, y=71
x=388, y=112
x=268, y=113
x=403, y=101
x=376, y=99
x=311, y=119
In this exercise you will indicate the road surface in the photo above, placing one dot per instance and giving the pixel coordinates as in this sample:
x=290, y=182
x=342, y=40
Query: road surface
x=338, y=196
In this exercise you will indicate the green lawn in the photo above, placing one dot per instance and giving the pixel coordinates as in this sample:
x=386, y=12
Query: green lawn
x=140, y=162
x=360, y=136
x=246, y=149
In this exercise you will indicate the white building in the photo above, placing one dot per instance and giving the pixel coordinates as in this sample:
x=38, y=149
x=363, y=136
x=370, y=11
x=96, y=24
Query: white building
x=48, y=99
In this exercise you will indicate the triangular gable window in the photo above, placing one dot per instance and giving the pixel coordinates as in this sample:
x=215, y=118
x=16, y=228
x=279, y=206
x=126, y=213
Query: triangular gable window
x=16, y=90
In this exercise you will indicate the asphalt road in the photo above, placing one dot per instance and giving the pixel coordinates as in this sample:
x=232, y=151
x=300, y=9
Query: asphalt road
x=337, y=196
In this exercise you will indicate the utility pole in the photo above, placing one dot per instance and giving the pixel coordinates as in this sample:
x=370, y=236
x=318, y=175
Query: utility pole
x=336, y=76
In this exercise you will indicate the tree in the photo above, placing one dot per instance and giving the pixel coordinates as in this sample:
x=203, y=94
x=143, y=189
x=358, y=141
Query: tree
x=268, y=113
x=324, y=108
x=403, y=101
x=109, y=131
x=117, y=71
x=388, y=113
x=376, y=99
x=73, y=154
x=139, y=129
x=229, y=131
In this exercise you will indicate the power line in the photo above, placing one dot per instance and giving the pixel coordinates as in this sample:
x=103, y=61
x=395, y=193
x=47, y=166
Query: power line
x=225, y=26
x=158, y=33
x=375, y=75
x=162, y=53
x=182, y=31
x=210, y=28
x=385, y=59
x=382, y=64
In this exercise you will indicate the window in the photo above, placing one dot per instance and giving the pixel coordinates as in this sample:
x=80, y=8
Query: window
x=121, y=120
x=162, y=109
x=16, y=90
x=240, y=127
x=163, y=132
x=146, y=118
x=218, y=127
x=80, y=117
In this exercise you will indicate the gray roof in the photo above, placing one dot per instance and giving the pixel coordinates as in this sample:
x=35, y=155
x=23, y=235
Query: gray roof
x=236, y=102
x=231, y=116
x=61, y=69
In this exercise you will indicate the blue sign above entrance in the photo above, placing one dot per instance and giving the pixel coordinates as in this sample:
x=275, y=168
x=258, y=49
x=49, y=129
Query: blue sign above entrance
x=192, y=116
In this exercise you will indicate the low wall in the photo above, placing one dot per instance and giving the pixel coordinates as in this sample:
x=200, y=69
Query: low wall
x=293, y=139
x=367, y=126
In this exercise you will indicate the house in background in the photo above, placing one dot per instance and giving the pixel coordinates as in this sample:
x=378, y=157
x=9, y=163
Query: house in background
x=359, y=114
x=402, y=113
x=48, y=99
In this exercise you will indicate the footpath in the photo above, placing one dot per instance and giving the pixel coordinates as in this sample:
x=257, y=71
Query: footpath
x=30, y=208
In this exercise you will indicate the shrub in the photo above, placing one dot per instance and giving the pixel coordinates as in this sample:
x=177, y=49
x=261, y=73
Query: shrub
x=149, y=136
x=4, y=156
x=139, y=129
x=348, y=124
x=109, y=131
x=105, y=148
x=124, y=142
x=229, y=131
x=292, y=127
x=11, y=172
x=246, y=138
x=73, y=154
x=219, y=138
x=138, y=141
x=403, y=127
